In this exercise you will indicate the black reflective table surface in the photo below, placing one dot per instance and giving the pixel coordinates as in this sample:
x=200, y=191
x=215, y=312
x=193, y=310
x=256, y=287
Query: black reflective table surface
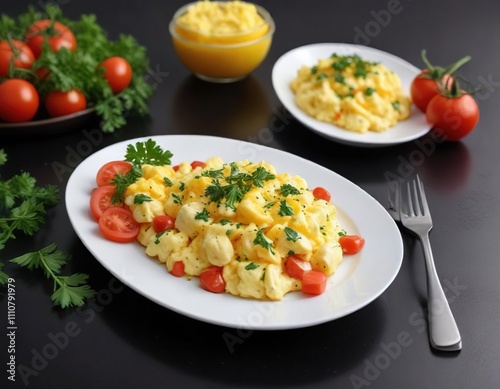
x=121, y=339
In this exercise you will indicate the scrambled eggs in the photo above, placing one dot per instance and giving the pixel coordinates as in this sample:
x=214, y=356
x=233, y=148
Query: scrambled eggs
x=351, y=93
x=221, y=17
x=241, y=216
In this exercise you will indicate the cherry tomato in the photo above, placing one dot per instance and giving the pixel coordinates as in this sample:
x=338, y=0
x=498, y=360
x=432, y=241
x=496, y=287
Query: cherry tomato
x=351, y=244
x=178, y=269
x=321, y=194
x=314, y=282
x=118, y=225
x=295, y=267
x=424, y=88
x=455, y=116
x=176, y=168
x=101, y=200
x=65, y=103
x=163, y=223
x=196, y=164
x=16, y=52
x=19, y=101
x=56, y=34
x=109, y=170
x=211, y=279
x=118, y=73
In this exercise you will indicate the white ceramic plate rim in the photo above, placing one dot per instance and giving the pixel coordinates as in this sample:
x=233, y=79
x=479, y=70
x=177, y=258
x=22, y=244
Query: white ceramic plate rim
x=358, y=281
x=285, y=70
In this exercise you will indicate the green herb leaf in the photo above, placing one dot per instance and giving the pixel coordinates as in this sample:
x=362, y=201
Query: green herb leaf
x=168, y=182
x=251, y=266
x=142, y=198
x=369, y=91
x=203, y=215
x=261, y=240
x=291, y=234
x=285, y=209
x=288, y=190
x=147, y=153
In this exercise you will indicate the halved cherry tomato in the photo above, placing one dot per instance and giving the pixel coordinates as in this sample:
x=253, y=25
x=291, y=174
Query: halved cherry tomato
x=211, y=279
x=163, y=223
x=176, y=167
x=19, y=101
x=321, y=194
x=314, y=282
x=60, y=103
x=351, y=244
x=295, y=267
x=56, y=34
x=108, y=171
x=178, y=269
x=101, y=200
x=196, y=164
x=118, y=73
x=16, y=52
x=118, y=224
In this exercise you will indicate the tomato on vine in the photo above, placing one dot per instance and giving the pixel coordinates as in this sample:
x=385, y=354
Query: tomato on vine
x=16, y=52
x=425, y=86
x=55, y=33
x=454, y=112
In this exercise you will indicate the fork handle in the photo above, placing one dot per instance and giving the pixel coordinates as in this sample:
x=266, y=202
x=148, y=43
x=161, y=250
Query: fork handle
x=443, y=330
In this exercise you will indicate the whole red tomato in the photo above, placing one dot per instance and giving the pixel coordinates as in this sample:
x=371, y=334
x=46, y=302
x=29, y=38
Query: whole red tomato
x=455, y=115
x=118, y=73
x=56, y=34
x=16, y=52
x=64, y=103
x=19, y=101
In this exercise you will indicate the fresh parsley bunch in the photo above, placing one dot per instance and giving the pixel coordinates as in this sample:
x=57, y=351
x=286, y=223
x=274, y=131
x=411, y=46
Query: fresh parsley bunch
x=23, y=206
x=79, y=69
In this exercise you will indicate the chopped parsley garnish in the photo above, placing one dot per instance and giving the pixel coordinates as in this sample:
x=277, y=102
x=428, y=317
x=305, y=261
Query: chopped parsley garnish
x=261, y=240
x=342, y=233
x=168, y=182
x=285, y=209
x=269, y=204
x=142, y=198
x=182, y=186
x=212, y=173
x=238, y=184
x=288, y=190
x=228, y=232
x=369, y=91
x=321, y=76
x=251, y=266
x=291, y=234
x=158, y=236
x=396, y=105
x=177, y=198
x=291, y=252
x=203, y=215
x=339, y=77
x=314, y=69
x=224, y=222
x=263, y=276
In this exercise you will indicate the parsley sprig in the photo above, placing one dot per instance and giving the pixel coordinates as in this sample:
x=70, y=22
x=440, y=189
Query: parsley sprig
x=141, y=153
x=68, y=290
x=23, y=206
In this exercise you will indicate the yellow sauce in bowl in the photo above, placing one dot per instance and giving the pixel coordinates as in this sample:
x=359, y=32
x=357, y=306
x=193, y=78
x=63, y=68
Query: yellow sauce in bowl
x=222, y=41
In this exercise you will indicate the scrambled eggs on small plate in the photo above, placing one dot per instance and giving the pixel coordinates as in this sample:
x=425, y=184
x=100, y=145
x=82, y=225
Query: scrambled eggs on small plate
x=352, y=93
x=326, y=89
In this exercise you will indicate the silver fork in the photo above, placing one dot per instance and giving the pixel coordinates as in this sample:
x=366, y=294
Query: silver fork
x=415, y=216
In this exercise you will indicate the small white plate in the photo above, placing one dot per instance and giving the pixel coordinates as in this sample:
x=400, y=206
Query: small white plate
x=360, y=278
x=285, y=70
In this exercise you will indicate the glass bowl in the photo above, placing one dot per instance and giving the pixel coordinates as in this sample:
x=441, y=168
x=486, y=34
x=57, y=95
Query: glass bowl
x=222, y=57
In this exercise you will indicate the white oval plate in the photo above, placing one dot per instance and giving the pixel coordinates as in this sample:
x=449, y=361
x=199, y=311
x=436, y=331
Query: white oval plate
x=285, y=70
x=359, y=279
